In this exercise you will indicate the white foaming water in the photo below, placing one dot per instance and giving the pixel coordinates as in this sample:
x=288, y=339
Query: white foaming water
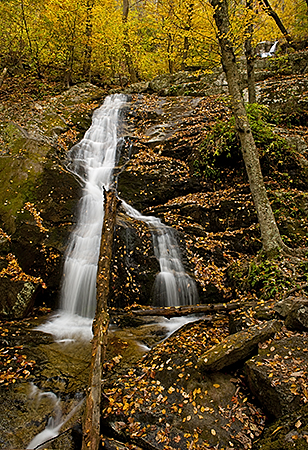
x=55, y=422
x=173, y=286
x=67, y=327
x=92, y=160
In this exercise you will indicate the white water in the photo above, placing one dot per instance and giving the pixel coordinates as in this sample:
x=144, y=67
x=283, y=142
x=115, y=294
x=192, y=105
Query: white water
x=271, y=51
x=55, y=422
x=173, y=286
x=93, y=160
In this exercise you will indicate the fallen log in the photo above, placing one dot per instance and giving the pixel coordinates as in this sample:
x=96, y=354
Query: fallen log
x=174, y=311
x=91, y=421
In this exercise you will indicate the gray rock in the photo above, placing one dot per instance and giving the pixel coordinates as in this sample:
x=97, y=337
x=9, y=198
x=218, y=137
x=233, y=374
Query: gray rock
x=278, y=375
x=284, y=306
x=16, y=298
x=297, y=318
x=237, y=347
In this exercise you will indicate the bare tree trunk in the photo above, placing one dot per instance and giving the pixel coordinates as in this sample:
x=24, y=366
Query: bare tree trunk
x=88, y=47
x=34, y=57
x=91, y=426
x=270, y=234
x=250, y=59
x=269, y=10
x=127, y=48
x=186, y=39
x=170, y=52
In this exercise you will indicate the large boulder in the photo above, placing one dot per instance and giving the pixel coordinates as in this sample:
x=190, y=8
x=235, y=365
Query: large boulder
x=277, y=376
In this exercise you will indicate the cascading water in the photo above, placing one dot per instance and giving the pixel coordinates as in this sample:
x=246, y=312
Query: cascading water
x=93, y=160
x=55, y=421
x=173, y=286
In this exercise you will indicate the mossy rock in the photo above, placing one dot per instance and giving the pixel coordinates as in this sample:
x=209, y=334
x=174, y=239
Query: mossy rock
x=290, y=432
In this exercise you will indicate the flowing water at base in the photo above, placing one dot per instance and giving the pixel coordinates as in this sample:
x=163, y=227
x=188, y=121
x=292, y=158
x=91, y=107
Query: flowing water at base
x=55, y=422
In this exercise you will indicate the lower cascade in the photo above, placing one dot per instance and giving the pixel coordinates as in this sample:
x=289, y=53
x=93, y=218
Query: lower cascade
x=173, y=286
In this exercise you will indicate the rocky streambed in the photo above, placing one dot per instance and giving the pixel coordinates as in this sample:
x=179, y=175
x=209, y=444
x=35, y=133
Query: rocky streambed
x=203, y=385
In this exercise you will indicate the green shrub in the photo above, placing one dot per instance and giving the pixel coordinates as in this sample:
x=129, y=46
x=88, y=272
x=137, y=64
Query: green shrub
x=221, y=147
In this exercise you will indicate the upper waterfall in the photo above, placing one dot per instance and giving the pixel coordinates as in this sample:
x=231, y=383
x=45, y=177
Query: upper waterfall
x=92, y=160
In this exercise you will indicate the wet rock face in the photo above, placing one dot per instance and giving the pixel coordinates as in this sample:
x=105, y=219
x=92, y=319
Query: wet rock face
x=134, y=265
x=39, y=195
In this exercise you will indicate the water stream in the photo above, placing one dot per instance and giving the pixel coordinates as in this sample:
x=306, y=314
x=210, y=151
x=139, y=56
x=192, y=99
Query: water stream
x=92, y=161
x=173, y=286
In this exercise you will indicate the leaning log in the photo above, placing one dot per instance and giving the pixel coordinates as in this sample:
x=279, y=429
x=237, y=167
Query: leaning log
x=186, y=310
x=91, y=422
x=2, y=76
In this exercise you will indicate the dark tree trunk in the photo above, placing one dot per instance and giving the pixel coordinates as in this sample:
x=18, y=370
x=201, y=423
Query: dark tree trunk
x=270, y=235
x=91, y=424
x=269, y=10
x=88, y=47
x=188, y=27
x=170, y=53
x=250, y=59
x=126, y=44
x=34, y=56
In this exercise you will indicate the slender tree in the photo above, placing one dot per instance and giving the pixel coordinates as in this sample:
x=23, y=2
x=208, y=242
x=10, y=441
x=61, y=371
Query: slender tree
x=250, y=57
x=187, y=30
x=126, y=44
x=88, y=46
x=271, y=239
x=265, y=5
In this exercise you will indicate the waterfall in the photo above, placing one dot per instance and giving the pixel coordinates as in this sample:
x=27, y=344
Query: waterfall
x=92, y=160
x=173, y=286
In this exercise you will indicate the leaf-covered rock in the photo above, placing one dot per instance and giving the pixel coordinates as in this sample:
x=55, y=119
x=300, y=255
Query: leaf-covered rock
x=277, y=376
x=237, y=347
